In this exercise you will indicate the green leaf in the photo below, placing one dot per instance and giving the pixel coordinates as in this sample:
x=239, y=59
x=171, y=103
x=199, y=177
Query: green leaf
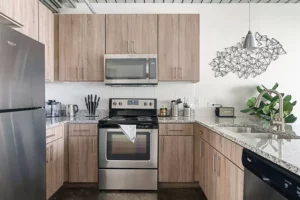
x=287, y=107
x=251, y=102
x=291, y=119
x=266, y=110
x=287, y=98
x=294, y=103
x=246, y=110
x=275, y=86
x=264, y=87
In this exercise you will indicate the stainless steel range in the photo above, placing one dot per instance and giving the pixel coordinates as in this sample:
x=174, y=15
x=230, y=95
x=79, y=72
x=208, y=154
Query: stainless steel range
x=124, y=165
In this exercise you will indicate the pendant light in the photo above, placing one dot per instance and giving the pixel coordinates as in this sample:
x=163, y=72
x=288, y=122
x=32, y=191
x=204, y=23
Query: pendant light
x=250, y=41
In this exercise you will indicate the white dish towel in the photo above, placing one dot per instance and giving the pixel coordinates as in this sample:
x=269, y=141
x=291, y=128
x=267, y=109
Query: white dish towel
x=129, y=131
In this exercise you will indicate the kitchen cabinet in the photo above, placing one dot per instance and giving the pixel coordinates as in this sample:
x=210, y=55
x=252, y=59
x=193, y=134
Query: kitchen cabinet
x=81, y=50
x=178, y=47
x=46, y=36
x=30, y=18
x=131, y=34
x=176, y=159
x=11, y=12
x=54, y=160
x=176, y=129
x=83, y=153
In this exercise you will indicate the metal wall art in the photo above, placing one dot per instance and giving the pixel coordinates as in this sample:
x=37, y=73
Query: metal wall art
x=243, y=62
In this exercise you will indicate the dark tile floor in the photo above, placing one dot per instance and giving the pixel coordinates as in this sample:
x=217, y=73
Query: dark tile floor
x=94, y=194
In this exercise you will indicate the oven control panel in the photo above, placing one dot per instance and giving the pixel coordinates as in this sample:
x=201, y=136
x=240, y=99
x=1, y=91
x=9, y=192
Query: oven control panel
x=133, y=104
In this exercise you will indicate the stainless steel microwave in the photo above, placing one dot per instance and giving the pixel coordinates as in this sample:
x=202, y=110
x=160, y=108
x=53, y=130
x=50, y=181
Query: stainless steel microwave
x=130, y=69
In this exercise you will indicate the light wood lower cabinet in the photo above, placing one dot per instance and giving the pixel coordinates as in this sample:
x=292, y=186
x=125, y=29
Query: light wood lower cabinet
x=54, y=166
x=219, y=176
x=83, y=153
x=176, y=159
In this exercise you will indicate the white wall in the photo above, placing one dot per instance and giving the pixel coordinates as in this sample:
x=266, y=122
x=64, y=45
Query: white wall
x=221, y=25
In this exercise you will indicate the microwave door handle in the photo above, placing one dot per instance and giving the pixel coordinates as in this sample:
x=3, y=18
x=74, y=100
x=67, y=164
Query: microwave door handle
x=147, y=69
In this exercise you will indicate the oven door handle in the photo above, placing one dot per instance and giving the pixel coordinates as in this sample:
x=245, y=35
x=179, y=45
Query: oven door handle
x=147, y=69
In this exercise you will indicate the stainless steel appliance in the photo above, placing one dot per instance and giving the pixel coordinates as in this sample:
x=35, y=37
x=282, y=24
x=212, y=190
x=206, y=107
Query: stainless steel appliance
x=71, y=110
x=264, y=180
x=22, y=117
x=130, y=69
x=124, y=165
x=53, y=108
x=224, y=112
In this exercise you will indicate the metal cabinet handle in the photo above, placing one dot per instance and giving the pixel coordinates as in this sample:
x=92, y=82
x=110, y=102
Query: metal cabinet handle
x=133, y=46
x=51, y=152
x=82, y=130
x=219, y=166
x=176, y=72
x=82, y=71
x=181, y=72
x=176, y=130
x=214, y=160
x=77, y=73
x=93, y=145
x=47, y=150
x=127, y=46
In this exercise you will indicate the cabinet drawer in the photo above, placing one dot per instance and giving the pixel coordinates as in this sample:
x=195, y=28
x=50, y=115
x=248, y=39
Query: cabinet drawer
x=83, y=130
x=176, y=129
x=55, y=133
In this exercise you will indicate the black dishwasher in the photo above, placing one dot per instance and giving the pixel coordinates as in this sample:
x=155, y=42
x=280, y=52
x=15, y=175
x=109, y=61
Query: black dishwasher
x=264, y=180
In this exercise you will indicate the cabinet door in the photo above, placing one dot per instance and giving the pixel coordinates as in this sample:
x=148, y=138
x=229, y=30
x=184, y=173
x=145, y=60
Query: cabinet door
x=81, y=47
x=58, y=160
x=168, y=45
x=144, y=34
x=197, y=153
x=30, y=17
x=234, y=181
x=209, y=171
x=83, y=159
x=188, y=69
x=93, y=49
x=49, y=172
x=12, y=10
x=220, y=186
x=46, y=36
x=176, y=158
x=118, y=35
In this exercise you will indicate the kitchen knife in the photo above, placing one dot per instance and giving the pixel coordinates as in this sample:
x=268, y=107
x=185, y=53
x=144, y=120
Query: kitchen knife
x=89, y=105
x=98, y=102
x=86, y=103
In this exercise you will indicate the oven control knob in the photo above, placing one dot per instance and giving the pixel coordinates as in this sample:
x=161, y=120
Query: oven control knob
x=120, y=103
x=114, y=103
x=150, y=104
x=145, y=104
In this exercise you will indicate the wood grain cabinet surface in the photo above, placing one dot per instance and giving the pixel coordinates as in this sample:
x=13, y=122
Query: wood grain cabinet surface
x=176, y=159
x=131, y=34
x=46, y=36
x=54, y=163
x=83, y=153
x=11, y=11
x=81, y=50
x=176, y=129
x=178, y=47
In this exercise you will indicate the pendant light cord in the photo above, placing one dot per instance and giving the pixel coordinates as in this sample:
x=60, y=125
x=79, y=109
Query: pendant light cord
x=249, y=15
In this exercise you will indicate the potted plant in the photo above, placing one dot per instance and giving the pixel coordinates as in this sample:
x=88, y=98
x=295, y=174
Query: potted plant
x=269, y=106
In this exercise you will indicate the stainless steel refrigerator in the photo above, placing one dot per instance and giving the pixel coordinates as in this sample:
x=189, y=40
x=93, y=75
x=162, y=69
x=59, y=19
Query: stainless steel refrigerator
x=22, y=117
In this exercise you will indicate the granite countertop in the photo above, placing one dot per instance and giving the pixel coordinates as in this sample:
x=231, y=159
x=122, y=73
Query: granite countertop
x=53, y=122
x=284, y=152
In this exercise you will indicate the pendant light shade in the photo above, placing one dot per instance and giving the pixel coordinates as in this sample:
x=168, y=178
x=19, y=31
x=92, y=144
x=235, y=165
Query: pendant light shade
x=250, y=42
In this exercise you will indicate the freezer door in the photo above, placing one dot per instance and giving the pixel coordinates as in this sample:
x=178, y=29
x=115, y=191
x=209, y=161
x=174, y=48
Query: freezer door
x=23, y=155
x=22, y=71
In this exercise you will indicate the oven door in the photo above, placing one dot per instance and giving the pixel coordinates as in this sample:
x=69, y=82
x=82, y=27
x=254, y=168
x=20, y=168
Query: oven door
x=130, y=69
x=117, y=151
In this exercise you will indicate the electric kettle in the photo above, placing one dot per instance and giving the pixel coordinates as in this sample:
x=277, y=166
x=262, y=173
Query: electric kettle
x=71, y=110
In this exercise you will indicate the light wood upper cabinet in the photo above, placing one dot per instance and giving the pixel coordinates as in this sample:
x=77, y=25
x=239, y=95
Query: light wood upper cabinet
x=46, y=36
x=178, y=47
x=83, y=153
x=144, y=34
x=81, y=47
x=131, y=34
x=30, y=18
x=189, y=30
x=176, y=159
x=168, y=43
x=11, y=12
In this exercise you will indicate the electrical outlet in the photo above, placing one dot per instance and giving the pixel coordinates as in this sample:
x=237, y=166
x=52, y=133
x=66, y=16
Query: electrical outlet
x=213, y=105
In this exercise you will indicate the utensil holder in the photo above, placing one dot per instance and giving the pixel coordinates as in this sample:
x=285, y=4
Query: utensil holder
x=174, y=112
x=187, y=112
